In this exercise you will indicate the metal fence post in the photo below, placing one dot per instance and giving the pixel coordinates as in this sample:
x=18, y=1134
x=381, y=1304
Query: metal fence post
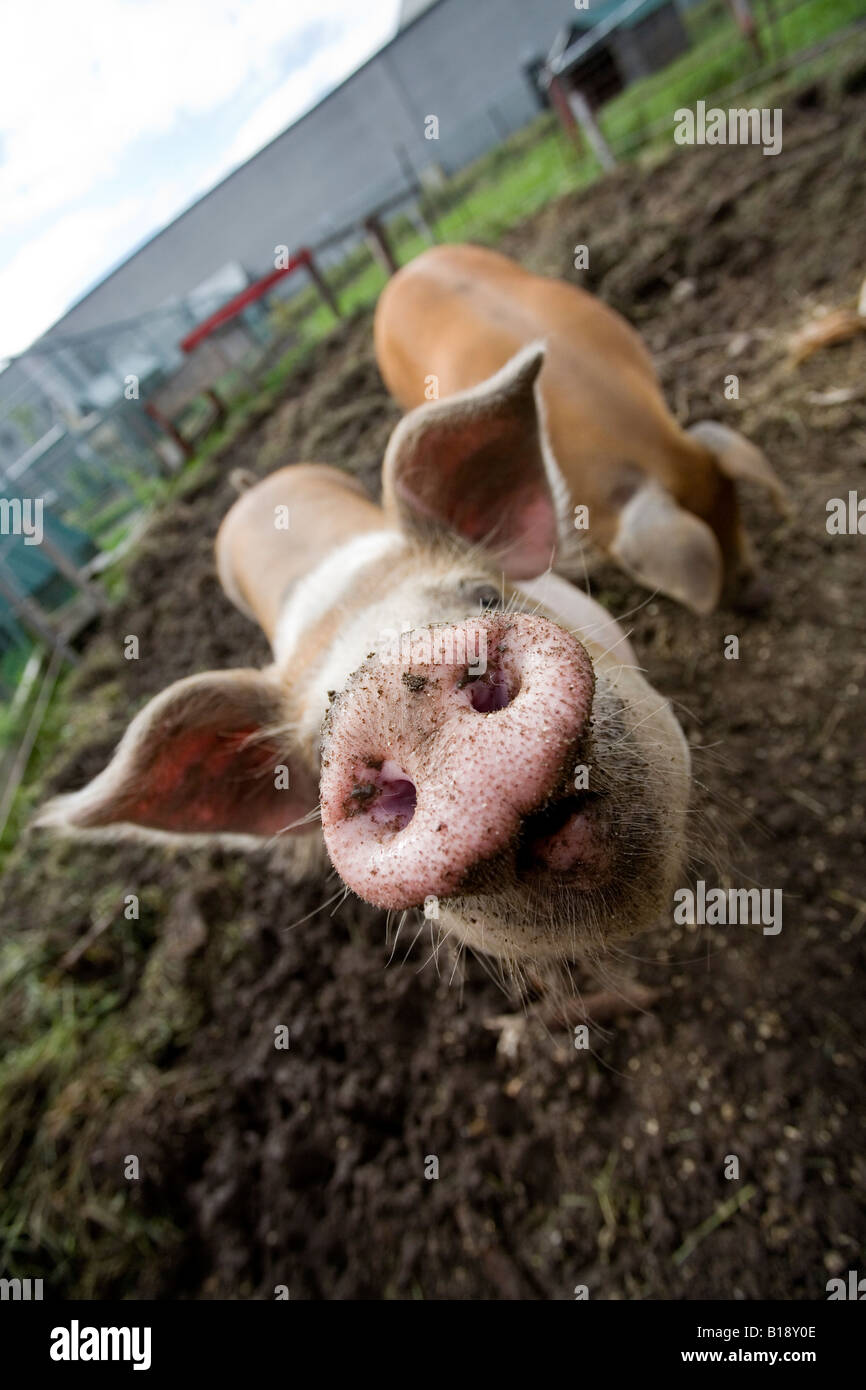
x=377, y=240
x=588, y=124
x=322, y=286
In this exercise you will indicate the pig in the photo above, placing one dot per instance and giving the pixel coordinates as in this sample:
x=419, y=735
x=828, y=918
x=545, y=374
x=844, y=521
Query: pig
x=473, y=730
x=661, y=501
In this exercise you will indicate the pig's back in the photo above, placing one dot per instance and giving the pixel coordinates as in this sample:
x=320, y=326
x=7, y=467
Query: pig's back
x=460, y=312
x=453, y=303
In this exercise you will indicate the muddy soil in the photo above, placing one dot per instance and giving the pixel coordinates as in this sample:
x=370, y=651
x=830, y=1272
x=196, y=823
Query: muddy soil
x=306, y=1167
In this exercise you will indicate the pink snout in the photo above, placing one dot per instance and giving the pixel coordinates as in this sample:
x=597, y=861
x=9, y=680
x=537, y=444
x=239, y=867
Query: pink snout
x=436, y=752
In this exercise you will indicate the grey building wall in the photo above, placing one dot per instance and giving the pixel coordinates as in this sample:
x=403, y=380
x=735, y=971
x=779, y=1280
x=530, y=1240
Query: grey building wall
x=456, y=61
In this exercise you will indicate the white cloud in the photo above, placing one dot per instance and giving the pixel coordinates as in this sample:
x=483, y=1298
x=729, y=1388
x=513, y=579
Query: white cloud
x=49, y=270
x=299, y=92
x=80, y=85
x=84, y=88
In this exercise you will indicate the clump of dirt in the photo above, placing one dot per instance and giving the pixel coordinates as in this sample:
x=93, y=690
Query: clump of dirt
x=304, y=1164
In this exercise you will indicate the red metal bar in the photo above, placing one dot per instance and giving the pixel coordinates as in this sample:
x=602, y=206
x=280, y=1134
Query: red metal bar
x=233, y=307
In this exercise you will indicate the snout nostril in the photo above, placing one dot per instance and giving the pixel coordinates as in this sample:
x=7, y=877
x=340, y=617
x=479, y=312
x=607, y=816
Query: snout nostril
x=489, y=693
x=386, y=795
x=396, y=804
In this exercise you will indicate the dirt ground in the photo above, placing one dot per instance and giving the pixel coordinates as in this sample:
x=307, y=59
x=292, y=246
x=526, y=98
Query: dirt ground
x=305, y=1167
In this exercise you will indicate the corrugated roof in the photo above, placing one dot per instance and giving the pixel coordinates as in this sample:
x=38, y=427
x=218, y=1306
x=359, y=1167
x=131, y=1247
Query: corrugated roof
x=596, y=23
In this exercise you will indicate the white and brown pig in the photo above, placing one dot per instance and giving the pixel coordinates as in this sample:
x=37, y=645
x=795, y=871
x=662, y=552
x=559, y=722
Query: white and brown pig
x=661, y=500
x=475, y=729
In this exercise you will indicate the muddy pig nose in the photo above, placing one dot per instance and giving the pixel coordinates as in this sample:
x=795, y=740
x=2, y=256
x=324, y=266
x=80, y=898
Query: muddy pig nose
x=433, y=754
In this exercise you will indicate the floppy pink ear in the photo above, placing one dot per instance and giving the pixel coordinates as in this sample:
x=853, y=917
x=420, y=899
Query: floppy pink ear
x=205, y=756
x=478, y=464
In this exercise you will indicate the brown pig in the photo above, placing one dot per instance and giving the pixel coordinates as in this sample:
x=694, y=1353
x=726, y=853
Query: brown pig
x=660, y=500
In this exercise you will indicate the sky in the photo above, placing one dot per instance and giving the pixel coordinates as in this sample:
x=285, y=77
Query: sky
x=115, y=115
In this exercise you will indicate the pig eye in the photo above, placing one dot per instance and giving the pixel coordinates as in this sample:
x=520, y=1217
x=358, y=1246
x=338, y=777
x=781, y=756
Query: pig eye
x=486, y=597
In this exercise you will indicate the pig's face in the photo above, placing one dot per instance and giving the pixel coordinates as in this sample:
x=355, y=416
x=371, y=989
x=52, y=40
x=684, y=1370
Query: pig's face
x=477, y=736
x=496, y=752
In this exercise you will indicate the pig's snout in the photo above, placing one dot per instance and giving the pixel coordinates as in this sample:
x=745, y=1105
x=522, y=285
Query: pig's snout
x=438, y=750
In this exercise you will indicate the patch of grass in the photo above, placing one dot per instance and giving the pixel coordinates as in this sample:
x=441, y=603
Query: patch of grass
x=719, y=58
x=67, y=1057
x=12, y=663
x=502, y=197
x=58, y=716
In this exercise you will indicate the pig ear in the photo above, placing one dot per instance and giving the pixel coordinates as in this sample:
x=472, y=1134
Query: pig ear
x=670, y=549
x=205, y=756
x=478, y=463
x=738, y=458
